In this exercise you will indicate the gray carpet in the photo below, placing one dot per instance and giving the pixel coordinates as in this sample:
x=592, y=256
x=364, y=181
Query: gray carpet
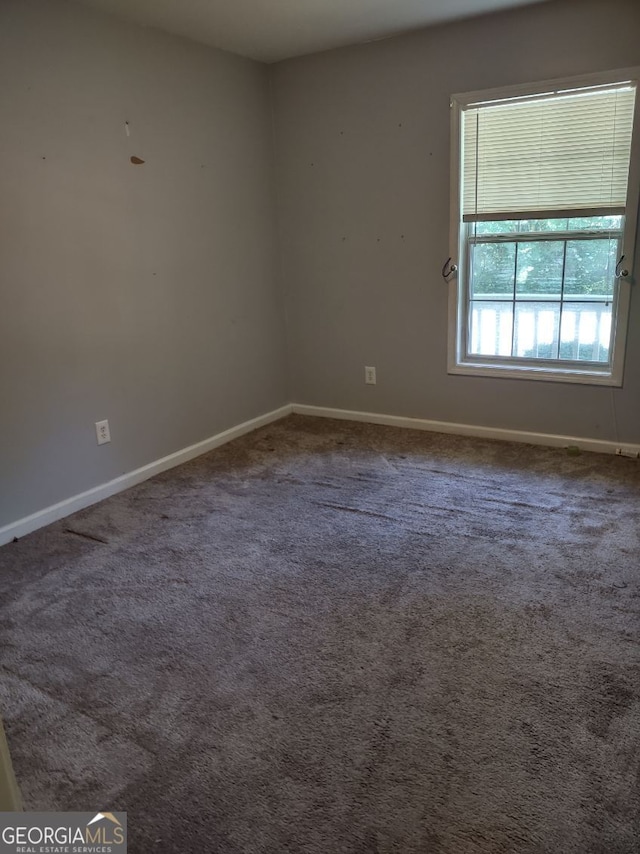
x=328, y=637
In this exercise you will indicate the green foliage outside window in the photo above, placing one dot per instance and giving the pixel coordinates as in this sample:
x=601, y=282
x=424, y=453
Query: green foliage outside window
x=584, y=266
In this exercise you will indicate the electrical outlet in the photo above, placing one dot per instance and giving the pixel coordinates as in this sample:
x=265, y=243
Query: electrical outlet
x=103, y=434
x=370, y=376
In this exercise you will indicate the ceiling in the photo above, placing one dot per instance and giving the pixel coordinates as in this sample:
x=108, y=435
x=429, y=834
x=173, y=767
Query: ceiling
x=271, y=30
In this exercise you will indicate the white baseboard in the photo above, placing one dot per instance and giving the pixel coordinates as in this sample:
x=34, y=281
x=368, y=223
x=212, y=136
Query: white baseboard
x=552, y=440
x=119, y=484
x=125, y=481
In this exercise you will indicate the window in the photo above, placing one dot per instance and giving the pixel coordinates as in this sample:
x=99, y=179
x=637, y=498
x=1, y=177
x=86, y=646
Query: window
x=544, y=209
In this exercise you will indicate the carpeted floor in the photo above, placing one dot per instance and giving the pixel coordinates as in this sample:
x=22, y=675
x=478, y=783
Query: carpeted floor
x=328, y=637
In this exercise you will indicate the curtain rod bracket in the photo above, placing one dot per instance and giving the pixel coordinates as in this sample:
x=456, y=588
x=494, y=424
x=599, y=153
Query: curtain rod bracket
x=448, y=269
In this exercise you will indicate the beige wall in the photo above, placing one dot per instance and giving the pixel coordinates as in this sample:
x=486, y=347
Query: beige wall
x=363, y=183
x=141, y=294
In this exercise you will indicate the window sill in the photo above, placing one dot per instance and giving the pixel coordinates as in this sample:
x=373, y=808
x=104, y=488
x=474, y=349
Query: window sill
x=529, y=372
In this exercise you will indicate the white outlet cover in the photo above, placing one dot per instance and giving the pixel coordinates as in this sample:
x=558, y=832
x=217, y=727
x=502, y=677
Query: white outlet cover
x=370, y=375
x=103, y=434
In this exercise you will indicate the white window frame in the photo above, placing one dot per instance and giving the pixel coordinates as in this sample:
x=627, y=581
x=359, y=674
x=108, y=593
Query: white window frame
x=457, y=360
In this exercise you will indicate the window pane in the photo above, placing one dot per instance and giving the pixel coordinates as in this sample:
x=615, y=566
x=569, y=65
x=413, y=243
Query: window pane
x=505, y=226
x=537, y=326
x=590, y=267
x=542, y=225
x=589, y=223
x=585, y=331
x=492, y=270
x=491, y=328
x=539, y=268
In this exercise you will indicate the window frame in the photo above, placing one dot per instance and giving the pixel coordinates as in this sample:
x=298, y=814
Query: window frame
x=458, y=362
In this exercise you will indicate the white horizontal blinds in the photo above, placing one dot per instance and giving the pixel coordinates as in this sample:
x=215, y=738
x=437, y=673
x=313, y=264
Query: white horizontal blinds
x=567, y=152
